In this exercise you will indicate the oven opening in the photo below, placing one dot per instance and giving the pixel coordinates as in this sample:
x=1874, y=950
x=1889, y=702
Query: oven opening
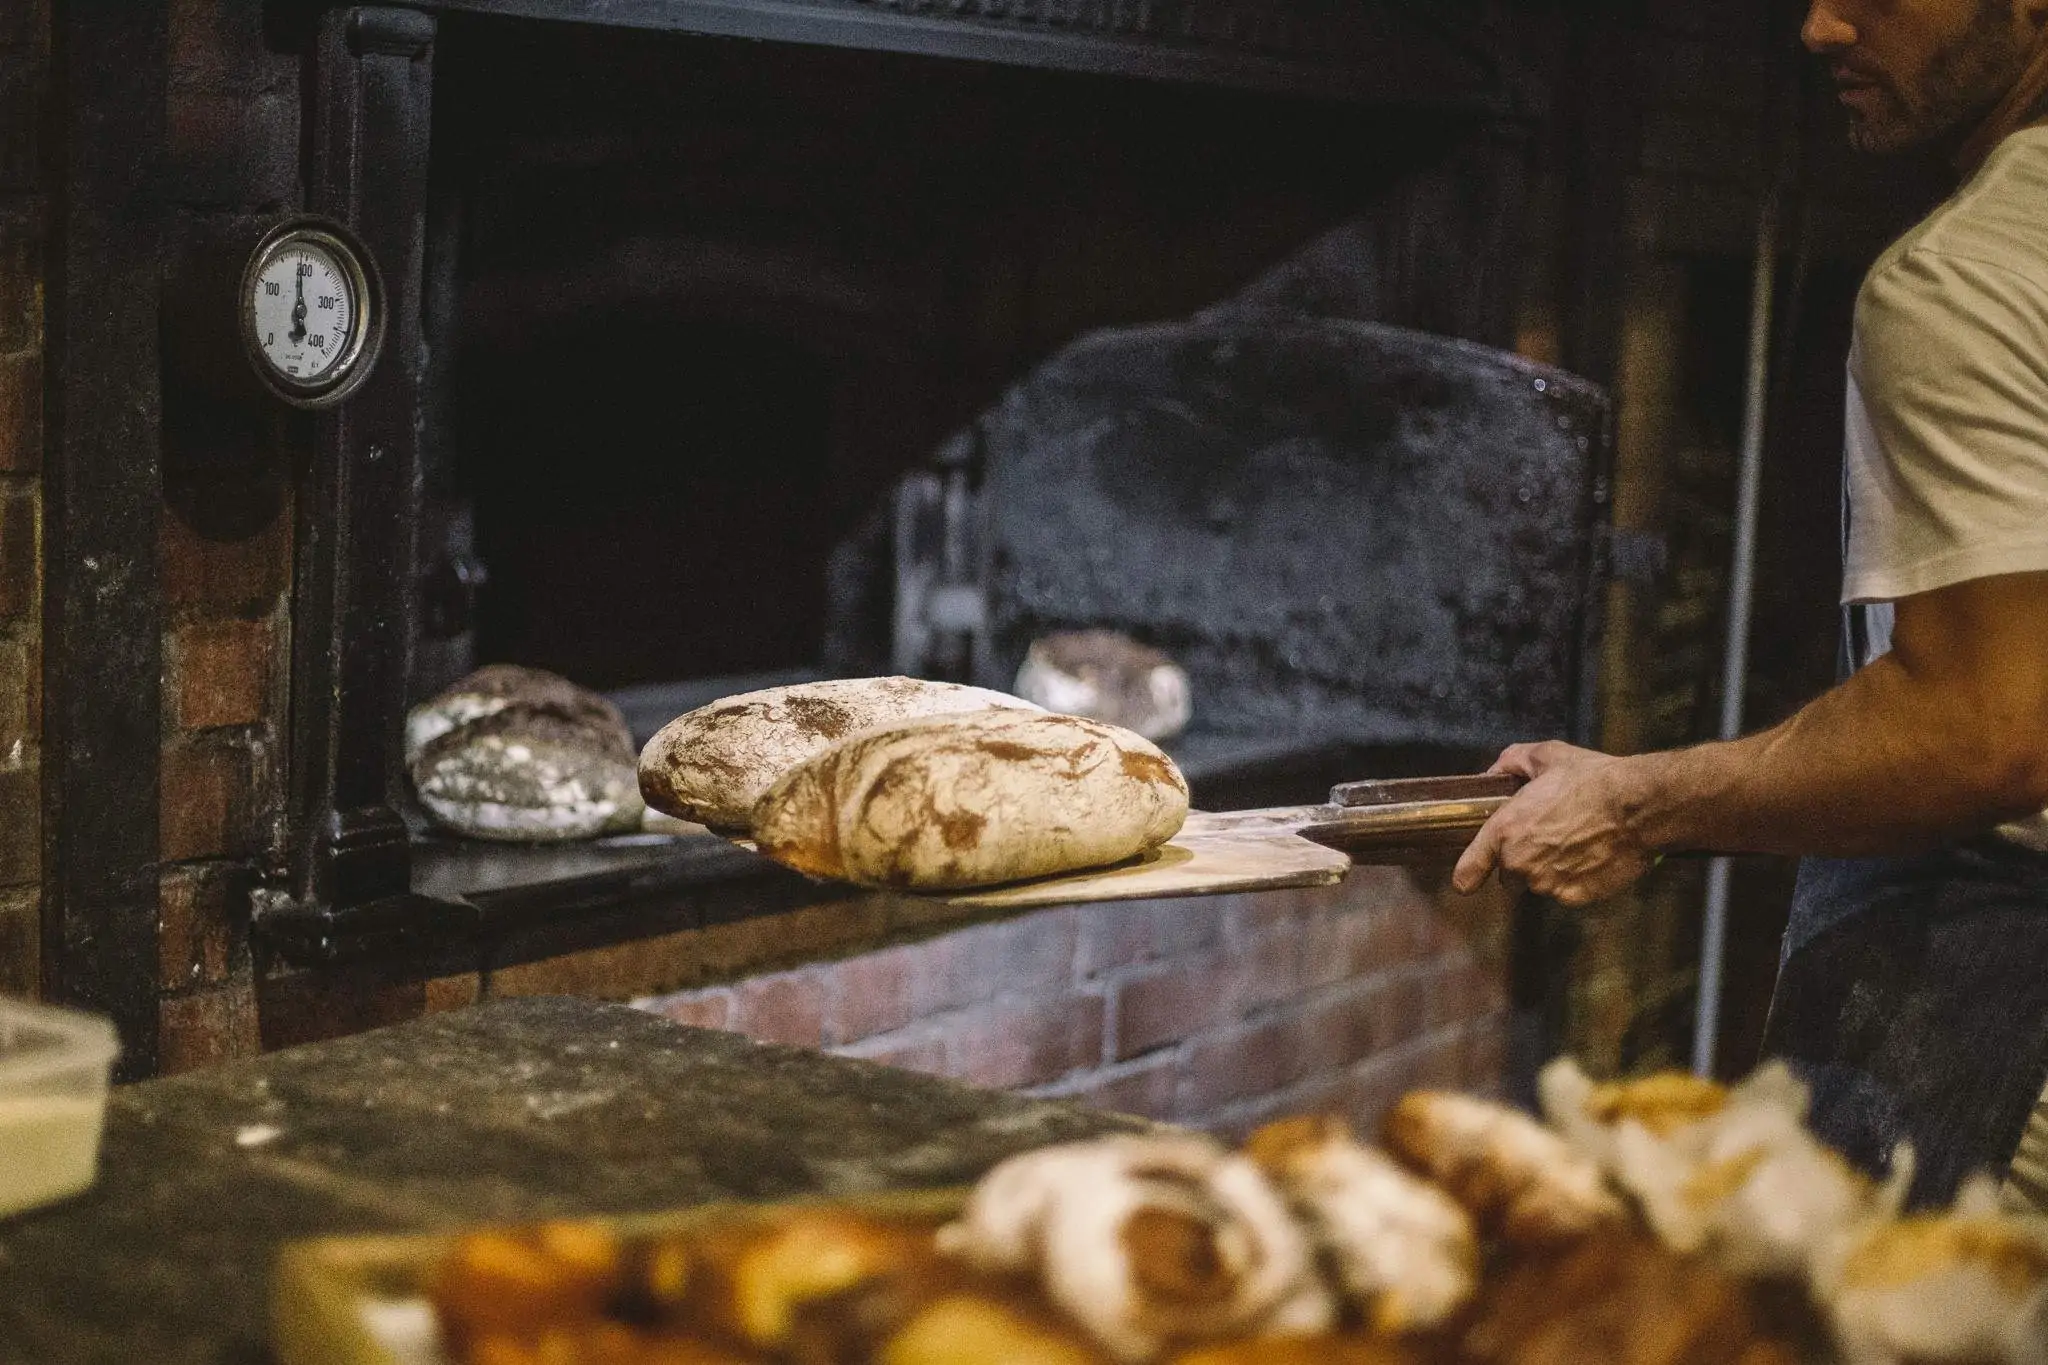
x=653, y=498
x=715, y=301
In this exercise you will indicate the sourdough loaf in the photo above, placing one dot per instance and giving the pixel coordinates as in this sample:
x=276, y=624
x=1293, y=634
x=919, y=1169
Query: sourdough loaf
x=712, y=765
x=952, y=802
x=494, y=687
x=529, y=772
x=1108, y=677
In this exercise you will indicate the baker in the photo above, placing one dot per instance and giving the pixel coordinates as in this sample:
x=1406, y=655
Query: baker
x=1913, y=985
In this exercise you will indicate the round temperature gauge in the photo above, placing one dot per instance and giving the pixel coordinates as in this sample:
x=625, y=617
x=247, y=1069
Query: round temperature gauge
x=312, y=312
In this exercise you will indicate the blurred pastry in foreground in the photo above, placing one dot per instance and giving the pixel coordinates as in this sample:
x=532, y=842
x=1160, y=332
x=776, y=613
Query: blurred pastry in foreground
x=1970, y=1285
x=1618, y=1298
x=972, y=1329
x=753, y=1279
x=1327, y=1348
x=603, y=1343
x=1733, y=1173
x=517, y=1281
x=1148, y=1244
x=1515, y=1177
x=1403, y=1252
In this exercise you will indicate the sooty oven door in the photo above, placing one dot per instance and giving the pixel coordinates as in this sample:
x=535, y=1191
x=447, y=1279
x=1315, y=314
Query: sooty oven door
x=1357, y=539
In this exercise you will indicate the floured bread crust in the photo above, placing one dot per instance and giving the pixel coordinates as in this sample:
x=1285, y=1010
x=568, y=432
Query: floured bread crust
x=962, y=801
x=1148, y=1243
x=1969, y=1285
x=1402, y=1251
x=1109, y=677
x=529, y=773
x=1731, y=1173
x=494, y=687
x=713, y=765
x=1514, y=1176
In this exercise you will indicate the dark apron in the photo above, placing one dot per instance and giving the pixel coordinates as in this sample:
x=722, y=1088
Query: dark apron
x=1913, y=997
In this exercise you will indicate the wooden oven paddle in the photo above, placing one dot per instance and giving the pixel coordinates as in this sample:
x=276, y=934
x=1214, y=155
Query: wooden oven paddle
x=1402, y=820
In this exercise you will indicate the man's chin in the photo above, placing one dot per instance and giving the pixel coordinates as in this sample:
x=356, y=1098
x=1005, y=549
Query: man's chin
x=1887, y=137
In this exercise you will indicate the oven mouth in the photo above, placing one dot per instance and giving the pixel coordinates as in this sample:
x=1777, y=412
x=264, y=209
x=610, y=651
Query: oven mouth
x=1093, y=176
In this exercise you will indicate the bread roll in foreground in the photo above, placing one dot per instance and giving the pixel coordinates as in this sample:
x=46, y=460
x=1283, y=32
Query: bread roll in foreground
x=1516, y=1178
x=713, y=764
x=962, y=801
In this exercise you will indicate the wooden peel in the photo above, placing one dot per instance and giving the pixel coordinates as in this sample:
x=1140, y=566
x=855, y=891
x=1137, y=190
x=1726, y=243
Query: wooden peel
x=1397, y=821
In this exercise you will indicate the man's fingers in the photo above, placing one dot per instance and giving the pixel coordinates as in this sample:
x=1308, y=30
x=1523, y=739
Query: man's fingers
x=1479, y=858
x=1522, y=760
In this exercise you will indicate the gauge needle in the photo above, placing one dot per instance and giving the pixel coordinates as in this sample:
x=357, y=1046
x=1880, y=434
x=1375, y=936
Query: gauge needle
x=298, y=332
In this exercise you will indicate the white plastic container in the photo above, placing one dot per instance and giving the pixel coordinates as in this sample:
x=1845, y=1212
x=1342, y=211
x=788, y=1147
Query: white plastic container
x=53, y=1100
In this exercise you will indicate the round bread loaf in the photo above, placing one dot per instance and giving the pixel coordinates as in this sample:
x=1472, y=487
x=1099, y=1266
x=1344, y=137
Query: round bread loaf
x=530, y=772
x=953, y=802
x=494, y=687
x=712, y=765
x=1109, y=677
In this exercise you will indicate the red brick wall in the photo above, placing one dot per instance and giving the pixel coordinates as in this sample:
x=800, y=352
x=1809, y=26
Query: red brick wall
x=1219, y=1012
x=226, y=551
x=24, y=61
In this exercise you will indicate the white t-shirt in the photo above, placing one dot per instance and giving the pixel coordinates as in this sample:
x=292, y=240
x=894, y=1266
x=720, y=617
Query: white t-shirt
x=1946, y=445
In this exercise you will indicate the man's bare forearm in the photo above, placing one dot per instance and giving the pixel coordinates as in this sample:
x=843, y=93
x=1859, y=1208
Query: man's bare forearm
x=1883, y=763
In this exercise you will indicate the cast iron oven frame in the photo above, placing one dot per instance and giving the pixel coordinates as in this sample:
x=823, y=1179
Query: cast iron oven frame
x=348, y=882
x=343, y=865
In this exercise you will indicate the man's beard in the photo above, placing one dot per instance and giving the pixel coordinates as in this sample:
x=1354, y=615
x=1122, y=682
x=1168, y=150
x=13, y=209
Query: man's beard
x=1963, y=81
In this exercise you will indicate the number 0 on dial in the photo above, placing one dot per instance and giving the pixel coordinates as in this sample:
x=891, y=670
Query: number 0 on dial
x=312, y=312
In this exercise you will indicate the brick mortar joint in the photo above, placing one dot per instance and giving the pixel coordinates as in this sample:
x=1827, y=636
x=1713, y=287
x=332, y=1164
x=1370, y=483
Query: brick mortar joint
x=1359, y=987
x=1137, y=973
x=1409, y=1048
x=1303, y=1092
x=967, y=1013
x=942, y=1025
x=1109, y=1073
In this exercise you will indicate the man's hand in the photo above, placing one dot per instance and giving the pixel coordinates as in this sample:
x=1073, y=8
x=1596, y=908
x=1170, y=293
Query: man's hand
x=1567, y=833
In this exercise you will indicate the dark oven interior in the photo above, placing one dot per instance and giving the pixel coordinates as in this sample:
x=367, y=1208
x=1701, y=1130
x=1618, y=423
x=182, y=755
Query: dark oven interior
x=748, y=361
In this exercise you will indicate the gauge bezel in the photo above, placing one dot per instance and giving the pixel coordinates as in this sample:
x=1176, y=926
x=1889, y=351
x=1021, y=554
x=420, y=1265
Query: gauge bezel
x=353, y=366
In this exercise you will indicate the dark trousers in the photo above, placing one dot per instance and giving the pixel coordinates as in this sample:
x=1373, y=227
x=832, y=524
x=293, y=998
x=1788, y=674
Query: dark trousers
x=1913, y=997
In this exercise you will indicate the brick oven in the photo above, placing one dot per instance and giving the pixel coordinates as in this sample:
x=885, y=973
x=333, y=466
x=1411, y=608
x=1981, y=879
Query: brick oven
x=747, y=339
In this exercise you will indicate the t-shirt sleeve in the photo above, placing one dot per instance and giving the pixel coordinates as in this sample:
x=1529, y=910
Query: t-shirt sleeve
x=1950, y=370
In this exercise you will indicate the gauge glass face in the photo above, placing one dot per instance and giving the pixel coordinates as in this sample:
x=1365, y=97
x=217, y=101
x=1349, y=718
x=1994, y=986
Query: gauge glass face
x=304, y=312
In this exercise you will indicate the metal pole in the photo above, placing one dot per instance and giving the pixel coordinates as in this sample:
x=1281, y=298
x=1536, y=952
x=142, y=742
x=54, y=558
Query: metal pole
x=1741, y=596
